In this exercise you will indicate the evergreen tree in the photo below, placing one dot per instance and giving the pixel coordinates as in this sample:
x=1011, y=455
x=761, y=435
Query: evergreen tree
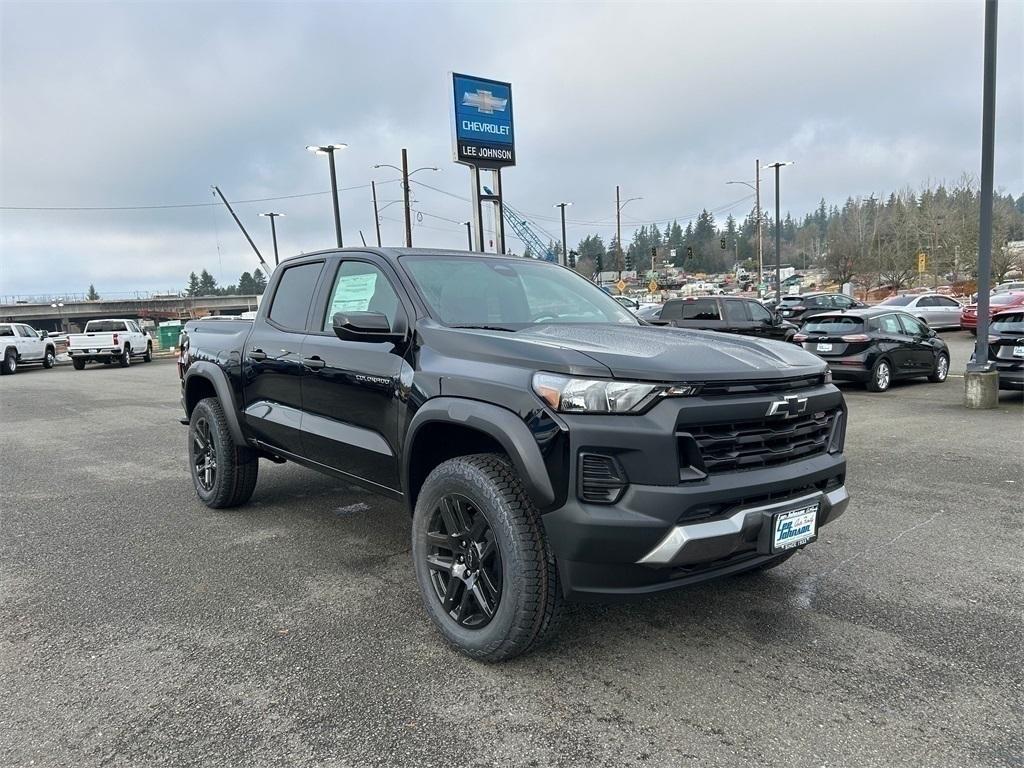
x=92, y=295
x=246, y=284
x=193, y=285
x=207, y=284
x=259, y=282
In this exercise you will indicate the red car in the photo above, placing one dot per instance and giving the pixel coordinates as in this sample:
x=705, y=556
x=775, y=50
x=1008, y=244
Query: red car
x=996, y=303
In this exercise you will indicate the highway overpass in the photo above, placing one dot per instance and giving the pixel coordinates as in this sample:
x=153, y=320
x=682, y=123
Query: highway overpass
x=76, y=313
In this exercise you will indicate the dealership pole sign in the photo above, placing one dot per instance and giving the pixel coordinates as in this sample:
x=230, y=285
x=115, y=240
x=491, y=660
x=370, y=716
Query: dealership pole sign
x=484, y=134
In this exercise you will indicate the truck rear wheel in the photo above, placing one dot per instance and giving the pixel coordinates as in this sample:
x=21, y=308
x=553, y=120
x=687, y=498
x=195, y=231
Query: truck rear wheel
x=126, y=357
x=223, y=472
x=487, y=576
x=79, y=364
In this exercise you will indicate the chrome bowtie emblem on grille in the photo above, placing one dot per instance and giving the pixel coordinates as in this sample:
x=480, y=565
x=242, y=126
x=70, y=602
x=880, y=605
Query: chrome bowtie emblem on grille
x=788, y=407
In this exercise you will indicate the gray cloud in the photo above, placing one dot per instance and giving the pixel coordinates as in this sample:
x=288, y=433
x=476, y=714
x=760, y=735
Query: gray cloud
x=119, y=104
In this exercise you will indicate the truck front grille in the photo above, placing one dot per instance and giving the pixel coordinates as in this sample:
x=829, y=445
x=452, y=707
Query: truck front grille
x=758, y=443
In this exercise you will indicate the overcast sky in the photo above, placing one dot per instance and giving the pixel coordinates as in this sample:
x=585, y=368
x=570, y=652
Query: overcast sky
x=147, y=104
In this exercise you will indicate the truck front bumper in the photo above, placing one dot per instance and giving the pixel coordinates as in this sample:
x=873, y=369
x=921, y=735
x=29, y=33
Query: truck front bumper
x=663, y=537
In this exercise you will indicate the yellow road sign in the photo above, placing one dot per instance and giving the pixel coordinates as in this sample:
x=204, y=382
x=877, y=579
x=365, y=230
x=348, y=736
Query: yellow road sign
x=922, y=262
x=621, y=285
x=652, y=286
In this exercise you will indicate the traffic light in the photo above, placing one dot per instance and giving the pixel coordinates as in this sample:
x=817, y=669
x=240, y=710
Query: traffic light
x=572, y=259
x=689, y=251
x=654, y=257
x=722, y=241
x=628, y=261
x=598, y=265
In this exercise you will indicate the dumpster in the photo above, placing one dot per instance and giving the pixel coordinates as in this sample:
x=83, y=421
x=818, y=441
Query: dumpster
x=167, y=335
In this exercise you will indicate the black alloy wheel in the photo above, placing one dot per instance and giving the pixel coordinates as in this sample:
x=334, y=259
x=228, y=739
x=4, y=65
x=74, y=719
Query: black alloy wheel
x=464, y=562
x=204, y=455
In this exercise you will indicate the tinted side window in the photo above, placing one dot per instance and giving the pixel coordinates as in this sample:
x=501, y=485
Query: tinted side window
x=912, y=326
x=293, y=296
x=926, y=301
x=842, y=302
x=361, y=287
x=24, y=330
x=735, y=313
x=701, y=309
x=889, y=324
x=942, y=301
x=673, y=310
x=758, y=313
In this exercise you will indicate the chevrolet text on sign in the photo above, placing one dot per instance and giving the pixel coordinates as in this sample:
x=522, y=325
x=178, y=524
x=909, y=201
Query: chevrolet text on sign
x=484, y=135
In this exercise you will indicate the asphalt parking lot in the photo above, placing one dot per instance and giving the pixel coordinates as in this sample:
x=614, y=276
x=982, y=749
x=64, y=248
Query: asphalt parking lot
x=139, y=628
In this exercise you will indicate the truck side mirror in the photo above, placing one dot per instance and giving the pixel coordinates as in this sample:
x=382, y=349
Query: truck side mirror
x=43, y=334
x=364, y=326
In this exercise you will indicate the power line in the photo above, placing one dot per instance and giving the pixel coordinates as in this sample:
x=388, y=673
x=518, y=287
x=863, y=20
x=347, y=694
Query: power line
x=168, y=206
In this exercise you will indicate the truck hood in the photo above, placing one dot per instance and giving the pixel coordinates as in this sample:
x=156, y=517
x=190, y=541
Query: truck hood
x=651, y=353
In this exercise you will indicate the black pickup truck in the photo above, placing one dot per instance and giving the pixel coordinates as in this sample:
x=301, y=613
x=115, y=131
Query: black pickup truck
x=549, y=445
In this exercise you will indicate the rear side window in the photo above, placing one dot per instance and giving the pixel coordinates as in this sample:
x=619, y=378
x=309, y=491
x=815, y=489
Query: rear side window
x=943, y=301
x=293, y=296
x=888, y=324
x=701, y=309
x=829, y=324
x=735, y=313
x=912, y=326
x=672, y=310
x=6, y=330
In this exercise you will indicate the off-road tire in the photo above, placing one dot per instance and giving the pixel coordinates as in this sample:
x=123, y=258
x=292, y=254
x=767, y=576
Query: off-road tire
x=148, y=357
x=10, y=363
x=941, y=371
x=531, y=602
x=49, y=357
x=874, y=384
x=79, y=364
x=237, y=466
x=126, y=357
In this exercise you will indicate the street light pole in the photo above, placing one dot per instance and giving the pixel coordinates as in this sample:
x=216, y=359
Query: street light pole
x=329, y=150
x=757, y=202
x=59, y=306
x=618, y=227
x=376, y=214
x=273, y=232
x=564, y=259
x=778, y=233
x=469, y=233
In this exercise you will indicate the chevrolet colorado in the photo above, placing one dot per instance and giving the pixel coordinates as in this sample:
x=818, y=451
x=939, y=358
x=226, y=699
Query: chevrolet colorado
x=549, y=445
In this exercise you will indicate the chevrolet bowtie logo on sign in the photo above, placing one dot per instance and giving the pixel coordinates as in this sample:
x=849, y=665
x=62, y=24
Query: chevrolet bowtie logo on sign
x=788, y=407
x=482, y=122
x=484, y=101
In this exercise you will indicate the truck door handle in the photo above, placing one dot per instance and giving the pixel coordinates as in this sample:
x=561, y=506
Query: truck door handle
x=314, y=363
x=257, y=355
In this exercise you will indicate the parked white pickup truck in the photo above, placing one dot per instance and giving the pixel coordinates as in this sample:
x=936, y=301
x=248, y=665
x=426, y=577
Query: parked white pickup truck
x=21, y=344
x=108, y=341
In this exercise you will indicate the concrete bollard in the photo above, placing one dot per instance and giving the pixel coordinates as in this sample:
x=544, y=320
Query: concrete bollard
x=981, y=389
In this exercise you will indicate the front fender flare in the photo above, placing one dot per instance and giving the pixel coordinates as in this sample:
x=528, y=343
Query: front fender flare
x=203, y=369
x=499, y=423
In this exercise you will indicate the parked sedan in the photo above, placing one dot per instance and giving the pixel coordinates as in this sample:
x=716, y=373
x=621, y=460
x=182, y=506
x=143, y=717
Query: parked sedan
x=935, y=309
x=729, y=314
x=996, y=303
x=876, y=346
x=798, y=308
x=1006, y=347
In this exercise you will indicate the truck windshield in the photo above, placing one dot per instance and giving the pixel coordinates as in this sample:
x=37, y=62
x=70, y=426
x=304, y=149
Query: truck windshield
x=104, y=326
x=509, y=294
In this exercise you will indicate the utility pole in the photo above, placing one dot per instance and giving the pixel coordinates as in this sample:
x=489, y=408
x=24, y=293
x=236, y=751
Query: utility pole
x=981, y=380
x=760, y=254
x=618, y=232
x=778, y=234
x=564, y=258
x=469, y=233
x=273, y=232
x=376, y=214
x=405, y=191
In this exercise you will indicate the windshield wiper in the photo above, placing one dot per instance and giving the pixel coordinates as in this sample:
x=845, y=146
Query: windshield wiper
x=486, y=327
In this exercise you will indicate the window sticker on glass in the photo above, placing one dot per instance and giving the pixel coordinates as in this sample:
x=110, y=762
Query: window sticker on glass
x=353, y=293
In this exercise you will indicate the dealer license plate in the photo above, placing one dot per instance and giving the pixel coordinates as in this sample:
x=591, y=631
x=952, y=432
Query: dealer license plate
x=92, y=351
x=795, y=527
x=1018, y=351
x=824, y=347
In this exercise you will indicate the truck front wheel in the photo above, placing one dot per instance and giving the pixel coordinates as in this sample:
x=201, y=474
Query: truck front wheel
x=223, y=472
x=487, y=576
x=10, y=364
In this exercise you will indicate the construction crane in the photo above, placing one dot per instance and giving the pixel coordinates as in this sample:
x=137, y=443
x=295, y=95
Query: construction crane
x=525, y=232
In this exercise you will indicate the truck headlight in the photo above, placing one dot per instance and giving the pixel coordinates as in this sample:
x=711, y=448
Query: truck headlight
x=571, y=395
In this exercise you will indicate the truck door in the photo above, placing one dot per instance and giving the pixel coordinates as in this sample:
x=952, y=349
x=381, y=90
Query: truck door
x=272, y=360
x=30, y=346
x=351, y=390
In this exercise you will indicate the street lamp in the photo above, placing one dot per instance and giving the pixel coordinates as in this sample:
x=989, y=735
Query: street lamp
x=760, y=258
x=564, y=260
x=329, y=150
x=59, y=306
x=778, y=232
x=618, y=225
x=273, y=231
x=406, y=173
